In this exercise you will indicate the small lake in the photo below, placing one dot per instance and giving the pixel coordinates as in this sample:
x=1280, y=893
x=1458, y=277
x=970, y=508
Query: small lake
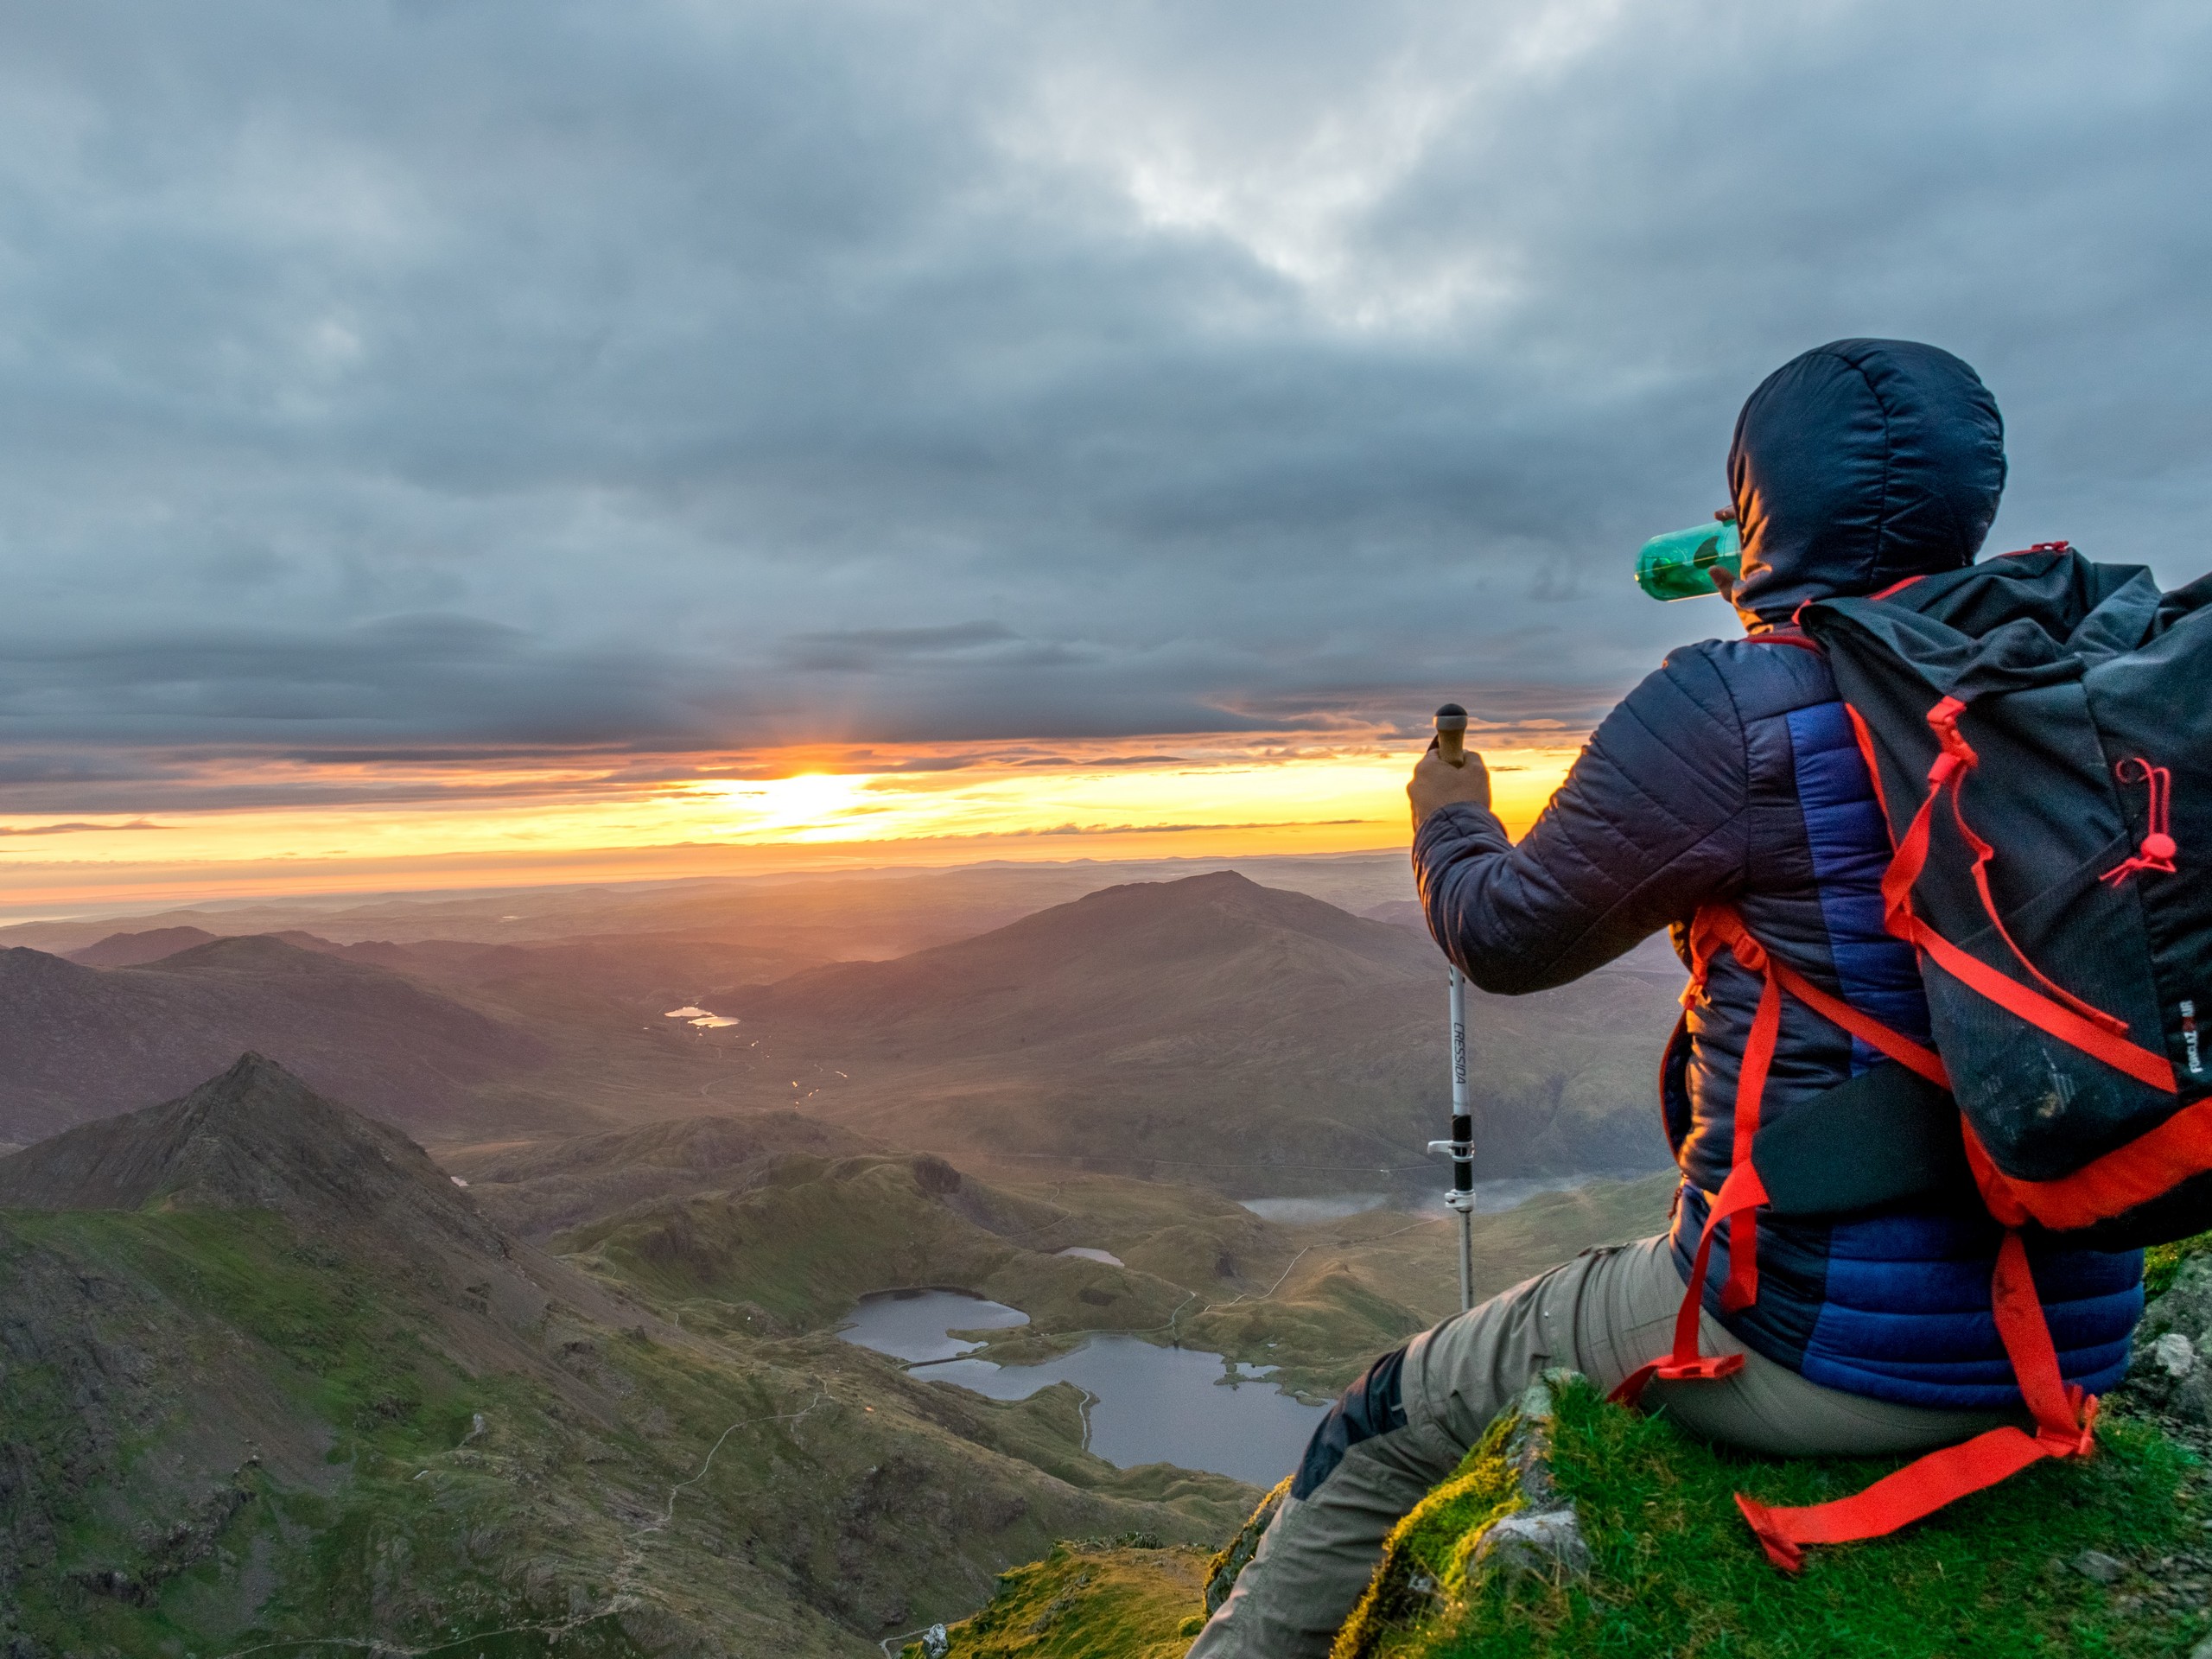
x=1491, y=1198
x=704, y=1018
x=1152, y=1405
x=1294, y=1213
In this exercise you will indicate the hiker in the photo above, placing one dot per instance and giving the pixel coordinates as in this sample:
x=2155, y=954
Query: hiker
x=1731, y=775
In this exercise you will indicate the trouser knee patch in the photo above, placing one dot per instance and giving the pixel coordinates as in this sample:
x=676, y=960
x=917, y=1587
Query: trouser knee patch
x=1372, y=1405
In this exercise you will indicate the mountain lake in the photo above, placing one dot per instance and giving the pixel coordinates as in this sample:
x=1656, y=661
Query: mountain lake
x=1491, y=1198
x=1149, y=1404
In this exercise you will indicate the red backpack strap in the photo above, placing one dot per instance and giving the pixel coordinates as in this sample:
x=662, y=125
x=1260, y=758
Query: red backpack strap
x=2065, y=1426
x=1718, y=927
x=2060, y=1013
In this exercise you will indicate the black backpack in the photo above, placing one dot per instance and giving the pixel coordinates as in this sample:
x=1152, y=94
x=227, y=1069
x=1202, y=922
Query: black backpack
x=2039, y=729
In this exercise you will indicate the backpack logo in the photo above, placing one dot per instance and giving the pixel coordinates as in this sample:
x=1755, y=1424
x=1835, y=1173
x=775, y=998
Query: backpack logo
x=2188, y=1039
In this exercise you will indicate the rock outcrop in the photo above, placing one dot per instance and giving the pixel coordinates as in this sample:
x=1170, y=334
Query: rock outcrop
x=2171, y=1371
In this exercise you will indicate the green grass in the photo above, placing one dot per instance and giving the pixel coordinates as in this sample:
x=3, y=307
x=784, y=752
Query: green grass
x=1676, y=1573
x=2162, y=1261
x=1087, y=1601
x=354, y=1365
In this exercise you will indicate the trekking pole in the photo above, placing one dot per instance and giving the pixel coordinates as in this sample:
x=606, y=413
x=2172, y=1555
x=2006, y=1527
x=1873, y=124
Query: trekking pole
x=1452, y=747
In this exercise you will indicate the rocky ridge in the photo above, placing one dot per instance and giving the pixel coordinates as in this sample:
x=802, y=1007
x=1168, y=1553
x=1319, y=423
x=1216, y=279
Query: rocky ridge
x=268, y=1377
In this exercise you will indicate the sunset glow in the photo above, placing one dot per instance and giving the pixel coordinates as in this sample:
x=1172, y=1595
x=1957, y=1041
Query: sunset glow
x=803, y=810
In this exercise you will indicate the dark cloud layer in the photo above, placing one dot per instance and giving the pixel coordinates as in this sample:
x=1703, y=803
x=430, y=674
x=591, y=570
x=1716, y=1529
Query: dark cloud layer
x=480, y=376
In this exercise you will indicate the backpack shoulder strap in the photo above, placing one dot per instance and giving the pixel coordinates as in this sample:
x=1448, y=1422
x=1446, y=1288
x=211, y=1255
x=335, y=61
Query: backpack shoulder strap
x=2065, y=1417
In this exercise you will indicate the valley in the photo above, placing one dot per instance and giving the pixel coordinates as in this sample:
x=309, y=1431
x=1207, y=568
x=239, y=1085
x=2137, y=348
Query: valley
x=577, y=1379
x=276, y=1378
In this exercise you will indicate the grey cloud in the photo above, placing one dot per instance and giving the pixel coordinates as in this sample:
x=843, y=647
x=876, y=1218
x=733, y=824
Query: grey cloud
x=72, y=829
x=964, y=645
x=489, y=379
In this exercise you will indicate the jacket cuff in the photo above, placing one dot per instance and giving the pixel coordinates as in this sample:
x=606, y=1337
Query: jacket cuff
x=1456, y=828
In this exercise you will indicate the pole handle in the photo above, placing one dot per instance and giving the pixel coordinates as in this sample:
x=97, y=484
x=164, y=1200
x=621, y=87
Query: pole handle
x=1451, y=734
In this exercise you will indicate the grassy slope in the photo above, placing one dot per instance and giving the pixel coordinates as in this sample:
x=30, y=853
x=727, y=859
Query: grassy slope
x=235, y=1436
x=794, y=1253
x=1676, y=1574
x=289, y=1558
x=1090, y=1601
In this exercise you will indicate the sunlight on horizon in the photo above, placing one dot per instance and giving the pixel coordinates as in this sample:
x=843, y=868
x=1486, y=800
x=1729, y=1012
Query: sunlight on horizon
x=545, y=826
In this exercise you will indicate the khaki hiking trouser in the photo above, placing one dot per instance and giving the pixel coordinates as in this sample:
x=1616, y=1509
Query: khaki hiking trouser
x=1604, y=1315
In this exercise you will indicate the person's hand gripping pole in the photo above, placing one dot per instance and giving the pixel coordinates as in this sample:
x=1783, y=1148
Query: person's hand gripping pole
x=1449, y=775
x=1450, y=747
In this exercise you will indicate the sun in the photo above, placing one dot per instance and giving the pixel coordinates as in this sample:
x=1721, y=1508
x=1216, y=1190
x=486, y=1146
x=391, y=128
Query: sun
x=807, y=807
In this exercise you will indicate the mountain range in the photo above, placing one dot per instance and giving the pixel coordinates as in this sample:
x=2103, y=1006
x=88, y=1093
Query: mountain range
x=1256, y=1039
x=273, y=1380
x=1215, y=1030
x=882, y=912
x=78, y=1042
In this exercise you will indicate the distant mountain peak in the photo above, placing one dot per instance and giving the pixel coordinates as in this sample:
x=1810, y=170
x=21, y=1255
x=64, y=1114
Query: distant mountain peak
x=130, y=949
x=1201, y=955
x=82, y=1042
x=1214, y=884
x=253, y=951
x=255, y=1137
x=1217, y=896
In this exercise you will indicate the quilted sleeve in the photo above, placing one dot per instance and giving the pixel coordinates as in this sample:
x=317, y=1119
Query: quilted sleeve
x=1651, y=822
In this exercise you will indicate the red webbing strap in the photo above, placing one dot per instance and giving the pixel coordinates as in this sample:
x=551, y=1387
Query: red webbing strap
x=1740, y=1194
x=2076, y=1023
x=2065, y=1422
x=2016, y=999
x=1873, y=1033
x=1742, y=1288
x=1913, y=1493
x=1718, y=927
x=1957, y=759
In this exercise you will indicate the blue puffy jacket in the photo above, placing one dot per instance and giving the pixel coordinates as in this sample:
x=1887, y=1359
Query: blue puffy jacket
x=1732, y=774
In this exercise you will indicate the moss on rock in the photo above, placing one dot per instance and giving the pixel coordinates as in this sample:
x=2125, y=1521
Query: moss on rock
x=2162, y=1261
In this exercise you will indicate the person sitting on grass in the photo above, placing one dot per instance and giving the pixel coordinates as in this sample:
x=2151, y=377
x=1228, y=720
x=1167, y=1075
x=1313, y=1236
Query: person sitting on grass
x=1732, y=775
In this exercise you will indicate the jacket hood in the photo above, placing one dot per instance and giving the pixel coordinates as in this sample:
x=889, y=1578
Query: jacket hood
x=1858, y=464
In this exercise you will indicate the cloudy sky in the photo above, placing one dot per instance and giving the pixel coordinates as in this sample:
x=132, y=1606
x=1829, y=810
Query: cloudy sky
x=430, y=425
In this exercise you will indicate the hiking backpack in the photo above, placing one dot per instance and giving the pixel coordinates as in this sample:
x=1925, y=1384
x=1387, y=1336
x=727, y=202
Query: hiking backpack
x=2038, y=728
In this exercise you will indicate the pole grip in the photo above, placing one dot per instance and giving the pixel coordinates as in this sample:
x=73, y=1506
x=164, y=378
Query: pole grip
x=1451, y=734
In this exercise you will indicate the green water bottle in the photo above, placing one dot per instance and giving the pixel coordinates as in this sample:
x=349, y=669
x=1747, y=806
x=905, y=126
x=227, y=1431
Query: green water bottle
x=1681, y=563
